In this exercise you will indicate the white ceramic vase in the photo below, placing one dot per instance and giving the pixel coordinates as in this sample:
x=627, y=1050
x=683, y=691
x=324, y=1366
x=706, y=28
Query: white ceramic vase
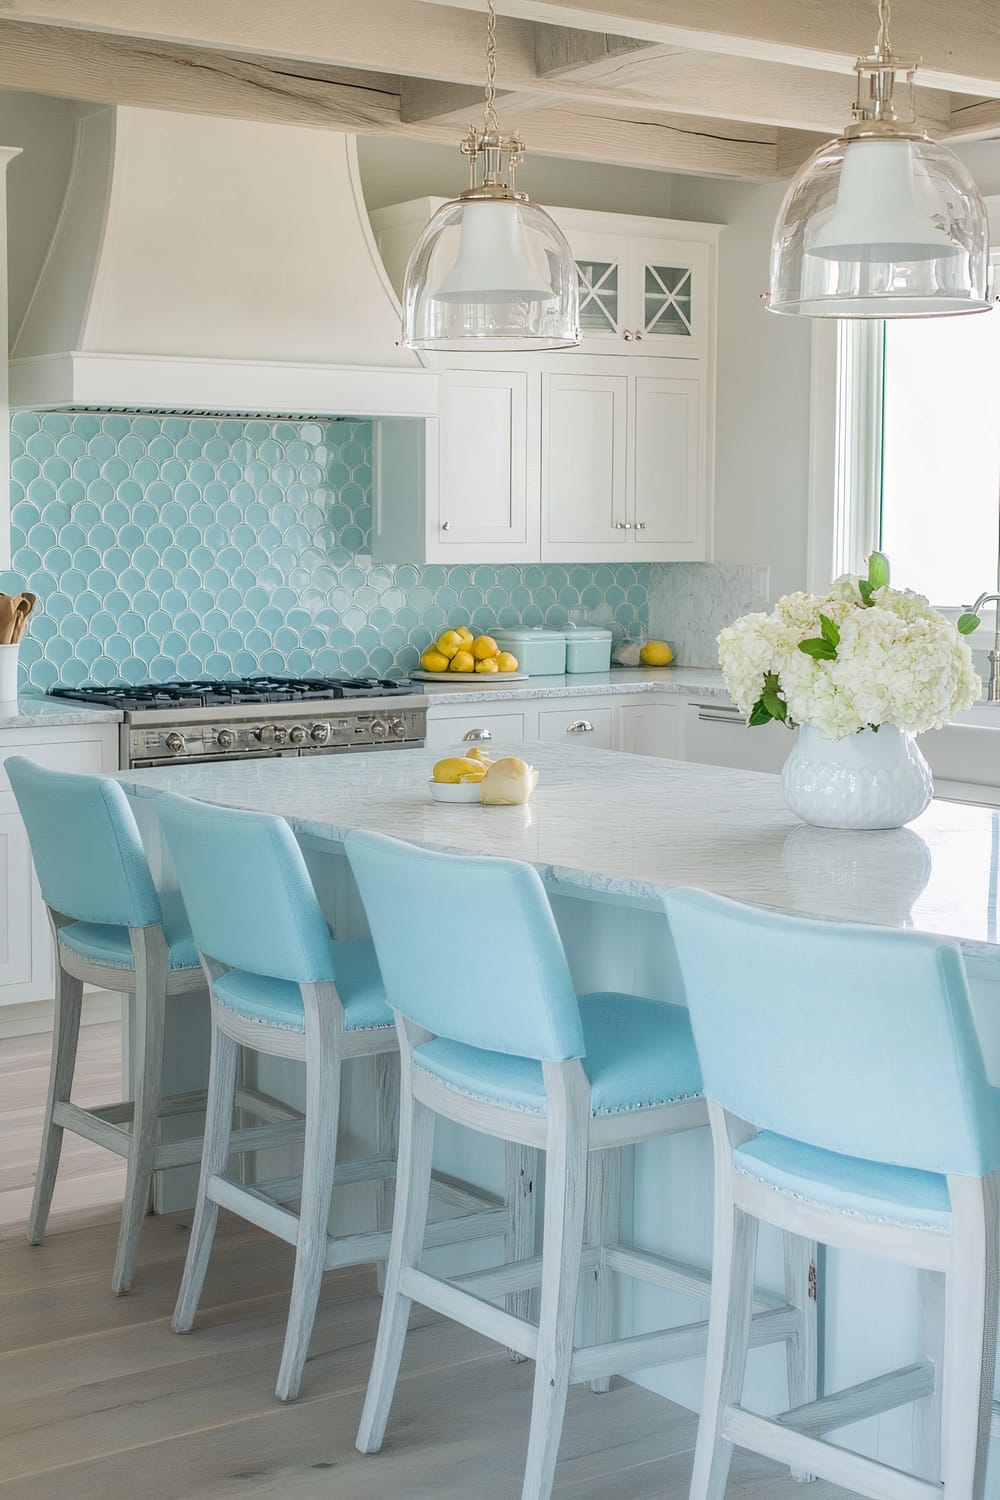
x=876, y=779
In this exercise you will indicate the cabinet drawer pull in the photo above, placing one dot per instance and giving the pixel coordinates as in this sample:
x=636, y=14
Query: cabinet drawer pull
x=477, y=734
x=721, y=716
x=581, y=726
x=445, y=525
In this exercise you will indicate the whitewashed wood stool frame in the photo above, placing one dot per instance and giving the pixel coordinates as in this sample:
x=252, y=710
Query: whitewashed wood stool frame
x=955, y=1388
x=324, y=1045
x=129, y=1128
x=577, y=1237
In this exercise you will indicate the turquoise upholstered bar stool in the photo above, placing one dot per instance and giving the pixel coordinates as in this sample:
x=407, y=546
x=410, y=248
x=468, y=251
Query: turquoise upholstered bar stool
x=496, y=1039
x=110, y=929
x=281, y=985
x=849, y=1102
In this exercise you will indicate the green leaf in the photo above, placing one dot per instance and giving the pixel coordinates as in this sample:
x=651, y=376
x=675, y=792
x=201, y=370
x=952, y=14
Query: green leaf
x=776, y=707
x=878, y=570
x=822, y=650
x=830, y=631
x=967, y=624
x=759, y=714
x=866, y=591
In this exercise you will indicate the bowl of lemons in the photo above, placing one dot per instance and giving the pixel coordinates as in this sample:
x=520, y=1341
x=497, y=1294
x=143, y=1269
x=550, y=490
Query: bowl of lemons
x=476, y=777
x=457, y=652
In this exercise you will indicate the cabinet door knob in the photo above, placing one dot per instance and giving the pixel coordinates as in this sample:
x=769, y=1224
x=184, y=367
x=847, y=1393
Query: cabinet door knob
x=445, y=525
x=638, y=335
x=581, y=726
x=477, y=734
x=623, y=525
x=628, y=335
x=640, y=525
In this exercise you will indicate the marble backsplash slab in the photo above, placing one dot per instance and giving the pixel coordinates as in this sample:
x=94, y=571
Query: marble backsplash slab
x=689, y=603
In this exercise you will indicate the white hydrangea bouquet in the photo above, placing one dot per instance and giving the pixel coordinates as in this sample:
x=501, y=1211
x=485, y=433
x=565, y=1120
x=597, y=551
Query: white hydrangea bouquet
x=862, y=656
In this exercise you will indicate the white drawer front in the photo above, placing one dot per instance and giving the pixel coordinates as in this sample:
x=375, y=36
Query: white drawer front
x=500, y=728
x=582, y=726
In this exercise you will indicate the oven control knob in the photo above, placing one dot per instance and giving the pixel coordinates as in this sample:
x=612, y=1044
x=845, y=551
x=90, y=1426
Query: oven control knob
x=298, y=734
x=379, y=729
x=320, y=733
x=265, y=734
x=225, y=739
x=398, y=728
x=280, y=734
x=174, y=742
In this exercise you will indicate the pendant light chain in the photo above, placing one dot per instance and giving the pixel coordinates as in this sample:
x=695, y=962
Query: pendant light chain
x=491, y=120
x=884, y=45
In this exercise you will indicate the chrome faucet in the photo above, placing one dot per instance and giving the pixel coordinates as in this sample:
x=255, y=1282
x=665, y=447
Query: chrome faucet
x=993, y=686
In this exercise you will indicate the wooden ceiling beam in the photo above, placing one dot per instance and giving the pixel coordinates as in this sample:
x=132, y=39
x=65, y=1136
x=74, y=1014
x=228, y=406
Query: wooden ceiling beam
x=959, y=42
x=106, y=69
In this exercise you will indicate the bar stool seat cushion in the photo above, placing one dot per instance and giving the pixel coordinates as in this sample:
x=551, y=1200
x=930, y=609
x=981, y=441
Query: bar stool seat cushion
x=278, y=1002
x=899, y=1195
x=640, y=1053
x=111, y=945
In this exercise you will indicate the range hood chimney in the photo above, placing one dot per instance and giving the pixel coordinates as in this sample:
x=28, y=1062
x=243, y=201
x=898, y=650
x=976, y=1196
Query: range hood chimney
x=202, y=263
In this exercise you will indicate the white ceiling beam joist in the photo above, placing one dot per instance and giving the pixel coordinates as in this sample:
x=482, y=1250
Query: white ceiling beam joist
x=959, y=42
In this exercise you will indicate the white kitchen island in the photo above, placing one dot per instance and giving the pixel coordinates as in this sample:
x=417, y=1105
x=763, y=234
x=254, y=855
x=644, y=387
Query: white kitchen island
x=608, y=832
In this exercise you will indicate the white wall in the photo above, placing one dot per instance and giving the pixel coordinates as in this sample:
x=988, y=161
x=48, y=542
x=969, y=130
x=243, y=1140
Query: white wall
x=44, y=129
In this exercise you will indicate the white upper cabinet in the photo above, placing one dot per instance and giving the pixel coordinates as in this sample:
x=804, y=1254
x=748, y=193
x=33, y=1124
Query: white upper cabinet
x=594, y=454
x=643, y=296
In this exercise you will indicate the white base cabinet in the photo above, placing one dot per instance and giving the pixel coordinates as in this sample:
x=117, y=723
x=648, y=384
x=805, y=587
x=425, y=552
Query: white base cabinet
x=603, y=723
x=25, y=941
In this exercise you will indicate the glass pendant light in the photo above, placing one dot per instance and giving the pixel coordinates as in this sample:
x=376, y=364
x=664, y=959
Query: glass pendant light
x=882, y=222
x=491, y=271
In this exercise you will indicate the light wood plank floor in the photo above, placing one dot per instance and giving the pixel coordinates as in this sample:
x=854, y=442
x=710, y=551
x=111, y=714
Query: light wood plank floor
x=100, y=1401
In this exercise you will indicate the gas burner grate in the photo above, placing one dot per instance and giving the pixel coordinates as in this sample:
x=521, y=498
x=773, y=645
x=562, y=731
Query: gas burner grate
x=208, y=693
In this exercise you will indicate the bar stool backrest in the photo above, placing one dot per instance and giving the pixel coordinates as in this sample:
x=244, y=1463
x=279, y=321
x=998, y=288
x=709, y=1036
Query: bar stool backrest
x=468, y=948
x=86, y=847
x=858, y=1040
x=247, y=891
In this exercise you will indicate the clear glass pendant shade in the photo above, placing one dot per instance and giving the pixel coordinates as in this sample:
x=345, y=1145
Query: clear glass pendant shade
x=491, y=274
x=881, y=227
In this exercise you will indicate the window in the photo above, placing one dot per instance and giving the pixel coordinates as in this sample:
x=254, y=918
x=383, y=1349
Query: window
x=940, y=455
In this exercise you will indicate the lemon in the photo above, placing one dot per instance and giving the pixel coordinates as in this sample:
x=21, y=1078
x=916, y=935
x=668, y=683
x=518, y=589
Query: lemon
x=465, y=633
x=656, y=654
x=453, y=768
x=506, y=662
x=462, y=661
x=449, y=642
x=484, y=646
x=474, y=777
x=475, y=754
x=488, y=664
x=434, y=660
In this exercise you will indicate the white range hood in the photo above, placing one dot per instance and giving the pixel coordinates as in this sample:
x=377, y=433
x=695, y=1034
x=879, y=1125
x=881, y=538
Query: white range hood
x=206, y=264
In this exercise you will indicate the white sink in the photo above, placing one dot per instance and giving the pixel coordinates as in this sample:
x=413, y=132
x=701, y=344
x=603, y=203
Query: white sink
x=980, y=716
x=967, y=749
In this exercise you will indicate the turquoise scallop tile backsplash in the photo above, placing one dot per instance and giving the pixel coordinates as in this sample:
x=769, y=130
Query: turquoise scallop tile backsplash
x=163, y=547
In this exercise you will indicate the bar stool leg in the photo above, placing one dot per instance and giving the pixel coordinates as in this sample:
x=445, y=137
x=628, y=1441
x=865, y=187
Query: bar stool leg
x=318, y=1167
x=151, y=964
x=214, y=1161
x=970, y=1333
x=565, y=1206
x=65, y=1036
x=802, y=1352
x=927, y=1412
x=733, y=1255
x=413, y=1185
x=521, y=1171
x=602, y=1227
x=386, y=1140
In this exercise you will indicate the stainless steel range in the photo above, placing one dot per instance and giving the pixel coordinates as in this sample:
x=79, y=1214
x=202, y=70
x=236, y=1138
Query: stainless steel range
x=259, y=717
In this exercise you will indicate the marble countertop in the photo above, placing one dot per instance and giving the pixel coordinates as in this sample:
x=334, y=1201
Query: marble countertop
x=35, y=710
x=703, y=682
x=626, y=827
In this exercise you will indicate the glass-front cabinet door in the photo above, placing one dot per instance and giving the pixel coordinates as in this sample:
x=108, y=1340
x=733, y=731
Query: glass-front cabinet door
x=671, y=280
x=600, y=268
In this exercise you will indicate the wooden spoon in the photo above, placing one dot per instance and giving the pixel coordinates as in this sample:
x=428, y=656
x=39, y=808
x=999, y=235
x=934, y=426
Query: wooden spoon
x=24, y=604
x=8, y=618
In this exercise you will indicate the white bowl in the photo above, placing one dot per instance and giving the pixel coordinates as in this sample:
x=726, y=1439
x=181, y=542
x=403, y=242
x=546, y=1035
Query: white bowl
x=454, y=791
